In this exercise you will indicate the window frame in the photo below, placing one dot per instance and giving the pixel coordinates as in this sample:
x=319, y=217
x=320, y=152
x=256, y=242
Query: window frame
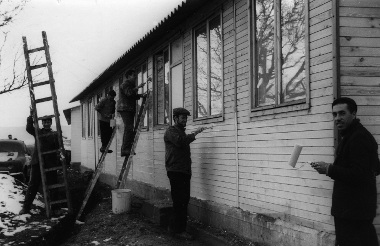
x=278, y=106
x=84, y=119
x=90, y=121
x=205, y=24
x=139, y=69
x=162, y=51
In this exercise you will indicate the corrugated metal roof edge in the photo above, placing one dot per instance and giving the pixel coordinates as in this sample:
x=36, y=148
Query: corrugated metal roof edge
x=180, y=11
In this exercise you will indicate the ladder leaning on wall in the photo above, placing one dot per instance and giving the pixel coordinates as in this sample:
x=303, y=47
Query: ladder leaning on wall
x=128, y=159
x=47, y=188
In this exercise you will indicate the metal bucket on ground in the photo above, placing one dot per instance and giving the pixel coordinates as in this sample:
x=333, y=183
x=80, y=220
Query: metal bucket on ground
x=121, y=201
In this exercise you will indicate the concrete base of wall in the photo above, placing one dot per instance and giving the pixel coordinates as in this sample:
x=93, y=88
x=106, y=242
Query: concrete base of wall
x=263, y=228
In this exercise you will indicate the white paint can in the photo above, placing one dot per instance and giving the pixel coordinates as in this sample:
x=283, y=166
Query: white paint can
x=121, y=201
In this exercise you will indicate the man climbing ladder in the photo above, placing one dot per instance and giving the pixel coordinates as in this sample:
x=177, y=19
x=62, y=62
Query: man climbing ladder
x=128, y=159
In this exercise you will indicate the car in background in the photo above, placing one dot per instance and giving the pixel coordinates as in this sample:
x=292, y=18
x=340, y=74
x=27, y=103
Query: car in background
x=15, y=159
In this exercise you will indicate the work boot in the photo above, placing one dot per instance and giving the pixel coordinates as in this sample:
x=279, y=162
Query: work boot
x=185, y=236
x=24, y=211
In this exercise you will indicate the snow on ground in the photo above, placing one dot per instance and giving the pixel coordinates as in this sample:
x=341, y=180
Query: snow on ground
x=12, y=194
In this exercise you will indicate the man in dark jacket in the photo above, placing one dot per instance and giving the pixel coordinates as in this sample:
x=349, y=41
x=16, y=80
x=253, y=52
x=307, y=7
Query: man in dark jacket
x=178, y=167
x=127, y=109
x=47, y=143
x=354, y=171
x=106, y=109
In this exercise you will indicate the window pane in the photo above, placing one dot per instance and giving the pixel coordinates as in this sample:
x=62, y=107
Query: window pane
x=177, y=86
x=216, y=66
x=90, y=117
x=166, y=96
x=293, y=50
x=83, y=106
x=176, y=51
x=145, y=89
x=265, y=85
x=202, y=69
x=160, y=77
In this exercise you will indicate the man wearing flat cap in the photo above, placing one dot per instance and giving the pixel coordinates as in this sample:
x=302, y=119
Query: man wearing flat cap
x=178, y=167
x=48, y=142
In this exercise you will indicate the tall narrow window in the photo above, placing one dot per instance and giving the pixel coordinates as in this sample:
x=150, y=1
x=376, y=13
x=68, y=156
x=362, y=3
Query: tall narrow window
x=279, y=52
x=90, y=117
x=83, y=111
x=176, y=73
x=162, y=87
x=98, y=97
x=208, y=64
x=142, y=76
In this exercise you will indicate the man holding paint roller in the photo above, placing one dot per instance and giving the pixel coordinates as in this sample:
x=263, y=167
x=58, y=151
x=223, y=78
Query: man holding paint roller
x=354, y=172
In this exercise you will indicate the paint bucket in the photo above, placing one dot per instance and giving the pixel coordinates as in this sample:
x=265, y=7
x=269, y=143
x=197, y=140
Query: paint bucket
x=121, y=201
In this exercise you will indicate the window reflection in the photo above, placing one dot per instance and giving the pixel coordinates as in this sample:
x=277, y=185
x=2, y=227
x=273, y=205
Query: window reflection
x=209, y=84
x=293, y=50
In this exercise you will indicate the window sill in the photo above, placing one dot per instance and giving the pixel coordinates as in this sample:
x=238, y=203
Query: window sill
x=257, y=112
x=161, y=127
x=210, y=119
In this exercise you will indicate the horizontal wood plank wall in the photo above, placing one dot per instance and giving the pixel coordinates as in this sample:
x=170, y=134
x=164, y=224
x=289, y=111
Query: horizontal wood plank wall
x=76, y=131
x=359, y=26
x=267, y=183
x=213, y=152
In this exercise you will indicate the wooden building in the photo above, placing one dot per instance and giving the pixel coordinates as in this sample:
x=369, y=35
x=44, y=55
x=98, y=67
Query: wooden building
x=264, y=74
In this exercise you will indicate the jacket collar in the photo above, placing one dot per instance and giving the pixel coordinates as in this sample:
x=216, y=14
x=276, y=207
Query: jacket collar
x=354, y=125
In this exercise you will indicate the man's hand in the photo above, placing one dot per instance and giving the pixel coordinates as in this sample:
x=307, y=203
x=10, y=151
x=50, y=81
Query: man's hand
x=321, y=167
x=141, y=85
x=31, y=110
x=199, y=130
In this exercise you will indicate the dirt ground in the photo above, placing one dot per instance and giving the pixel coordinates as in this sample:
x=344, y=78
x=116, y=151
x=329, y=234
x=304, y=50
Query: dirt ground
x=101, y=227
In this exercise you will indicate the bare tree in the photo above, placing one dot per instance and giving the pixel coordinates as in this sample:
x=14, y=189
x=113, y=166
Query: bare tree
x=12, y=76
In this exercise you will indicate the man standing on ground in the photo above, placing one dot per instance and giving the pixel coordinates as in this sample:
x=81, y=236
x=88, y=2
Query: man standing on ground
x=354, y=171
x=106, y=109
x=48, y=142
x=178, y=167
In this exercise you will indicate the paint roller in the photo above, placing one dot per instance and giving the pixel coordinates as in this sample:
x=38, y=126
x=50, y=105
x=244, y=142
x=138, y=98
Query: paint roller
x=296, y=153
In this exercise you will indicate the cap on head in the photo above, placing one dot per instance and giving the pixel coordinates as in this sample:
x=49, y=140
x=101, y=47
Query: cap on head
x=47, y=117
x=179, y=111
x=112, y=93
x=129, y=72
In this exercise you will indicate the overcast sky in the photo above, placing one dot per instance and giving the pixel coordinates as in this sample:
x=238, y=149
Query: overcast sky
x=85, y=37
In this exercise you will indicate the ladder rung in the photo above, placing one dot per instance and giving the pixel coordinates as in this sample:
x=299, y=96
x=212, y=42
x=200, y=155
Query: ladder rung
x=59, y=201
x=45, y=99
x=46, y=117
x=50, y=151
x=47, y=134
x=38, y=66
x=55, y=186
x=41, y=83
x=36, y=49
x=53, y=168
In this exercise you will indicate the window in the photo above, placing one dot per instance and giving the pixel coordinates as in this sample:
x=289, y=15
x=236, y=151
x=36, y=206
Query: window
x=161, y=62
x=90, y=117
x=176, y=74
x=142, y=76
x=83, y=111
x=208, y=69
x=98, y=97
x=279, y=52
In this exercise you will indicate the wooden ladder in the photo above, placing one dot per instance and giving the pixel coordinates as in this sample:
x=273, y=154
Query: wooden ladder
x=60, y=151
x=138, y=125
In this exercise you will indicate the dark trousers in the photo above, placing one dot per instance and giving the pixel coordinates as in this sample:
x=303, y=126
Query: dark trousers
x=34, y=185
x=105, y=132
x=180, y=192
x=128, y=118
x=355, y=232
